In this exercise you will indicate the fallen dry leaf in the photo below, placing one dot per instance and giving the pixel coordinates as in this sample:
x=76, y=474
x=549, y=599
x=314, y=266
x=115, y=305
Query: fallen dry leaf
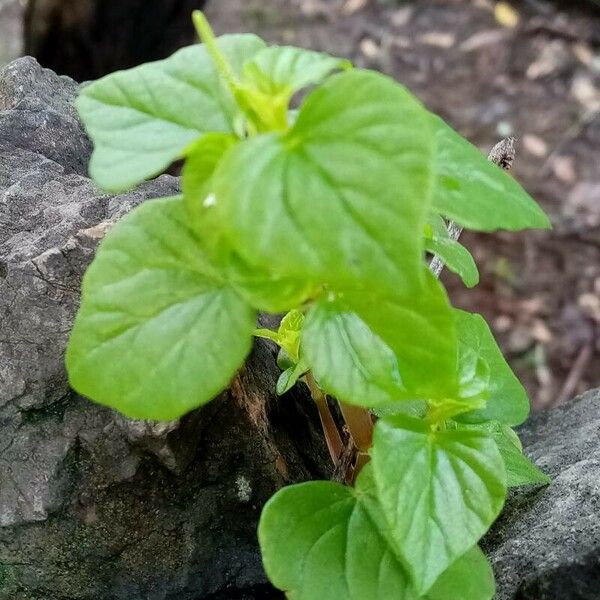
x=586, y=93
x=563, y=168
x=540, y=332
x=481, y=39
x=534, y=145
x=439, y=39
x=369, y=48
x=590, y=305
x=502, y=323
x=584, y=53
x=553, y=57
x=506, y=15
x=352, y=6
x=401, y=16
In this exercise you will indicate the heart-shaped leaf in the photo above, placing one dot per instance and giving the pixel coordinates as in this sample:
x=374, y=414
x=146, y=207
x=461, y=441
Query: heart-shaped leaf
x=347, y=359
x=323, y=540
x=297, y=203
x=142, y=119
x=419, y=328
x=159, y=332
x=440, y=491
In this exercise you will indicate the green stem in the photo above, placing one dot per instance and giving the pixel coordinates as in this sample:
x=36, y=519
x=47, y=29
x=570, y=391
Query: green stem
x=207, y=36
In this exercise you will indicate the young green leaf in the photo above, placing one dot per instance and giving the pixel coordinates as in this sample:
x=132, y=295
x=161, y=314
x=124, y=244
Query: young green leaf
x=202, y=158
x=347, y=359
x=297, y=204
x=271, y=78
x=289, y=69
x=288, y=333
x=319, y=541
x=290, y=376
x=456, y=257
x=519, y=469
x=440, y=491
x=324, y=540
x=507, y=402
x=159, y=331
x=142, y=119
x=476, y=193
x=419, y=328
x=436, y=226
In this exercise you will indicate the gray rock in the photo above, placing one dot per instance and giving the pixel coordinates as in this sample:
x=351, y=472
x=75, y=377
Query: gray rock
x=546, y=544
x=37, y=114
x=93, y=505
x=11, y=30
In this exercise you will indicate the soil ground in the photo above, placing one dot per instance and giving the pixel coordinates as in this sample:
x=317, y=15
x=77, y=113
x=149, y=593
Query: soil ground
x=490, y=76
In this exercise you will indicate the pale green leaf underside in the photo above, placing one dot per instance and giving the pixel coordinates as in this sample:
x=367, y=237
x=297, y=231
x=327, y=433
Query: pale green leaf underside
x=348, y=360
x=323, y=540
x=456, y=258
x=158, y=332
x=142, y=119
x=474, y=192
x=507, y=402
x=342, y=197
x=286, y=67
x=440, y=491
x=520, y=470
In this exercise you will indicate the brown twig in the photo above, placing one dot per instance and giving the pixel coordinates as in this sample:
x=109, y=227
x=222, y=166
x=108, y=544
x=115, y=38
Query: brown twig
x=577, y=370
x=334, y=442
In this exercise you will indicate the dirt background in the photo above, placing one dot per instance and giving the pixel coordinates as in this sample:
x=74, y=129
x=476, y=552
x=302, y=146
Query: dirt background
x=530, y=69
x=491, y=69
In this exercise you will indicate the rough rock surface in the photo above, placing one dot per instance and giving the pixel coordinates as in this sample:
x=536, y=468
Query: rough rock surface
x=92, y=505
x=546, y=545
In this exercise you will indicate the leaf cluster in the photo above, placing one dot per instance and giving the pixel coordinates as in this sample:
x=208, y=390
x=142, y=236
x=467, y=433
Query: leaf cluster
x=323, y=205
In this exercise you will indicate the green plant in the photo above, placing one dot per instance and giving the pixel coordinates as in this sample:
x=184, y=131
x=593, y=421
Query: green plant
x=325, y=211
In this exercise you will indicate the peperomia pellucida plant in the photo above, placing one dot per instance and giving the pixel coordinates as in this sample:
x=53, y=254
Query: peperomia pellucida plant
x=318, y=190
